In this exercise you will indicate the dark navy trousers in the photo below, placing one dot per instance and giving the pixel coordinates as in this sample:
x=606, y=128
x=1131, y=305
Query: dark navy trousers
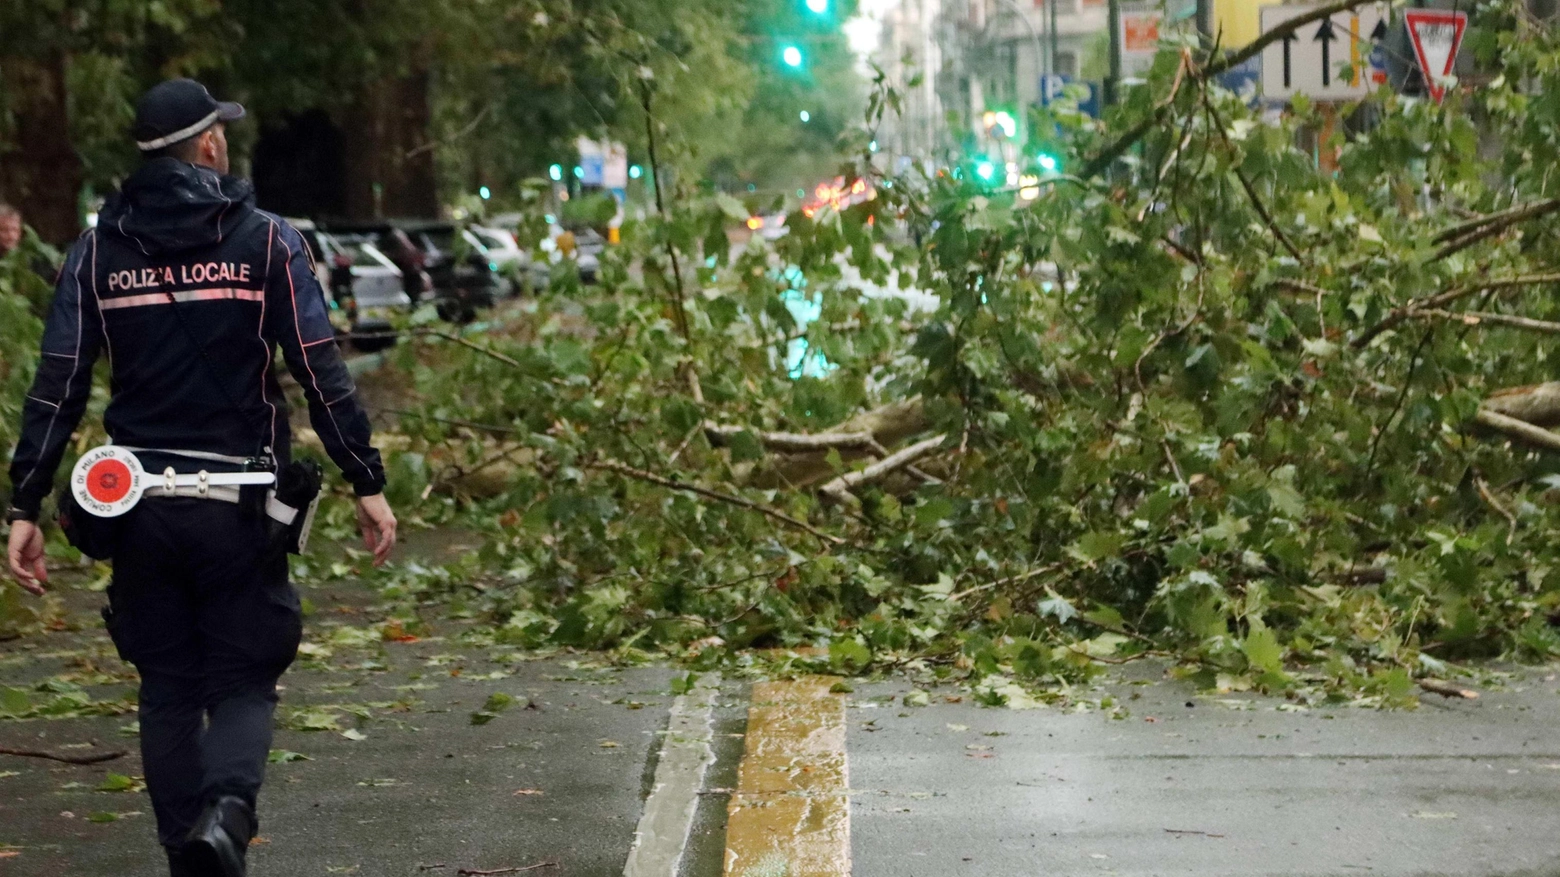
x=206, y=614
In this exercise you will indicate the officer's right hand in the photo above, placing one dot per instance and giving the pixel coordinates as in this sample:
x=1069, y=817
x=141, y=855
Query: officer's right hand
x=25, y=553
x=378, y=525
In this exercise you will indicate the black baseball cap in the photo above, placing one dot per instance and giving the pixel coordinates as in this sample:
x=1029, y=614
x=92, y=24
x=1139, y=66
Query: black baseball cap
x=177, y=110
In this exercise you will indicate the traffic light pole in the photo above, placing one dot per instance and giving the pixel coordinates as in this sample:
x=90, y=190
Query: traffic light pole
x=1113, y=82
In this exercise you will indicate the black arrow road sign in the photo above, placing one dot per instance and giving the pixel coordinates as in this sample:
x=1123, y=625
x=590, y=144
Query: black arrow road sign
x=1287, y=39
x=1325, y=36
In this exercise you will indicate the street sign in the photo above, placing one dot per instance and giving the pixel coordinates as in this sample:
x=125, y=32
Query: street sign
x=1437, y=34
x=1331, y=59
x=1139, y=41
x=1053, y=88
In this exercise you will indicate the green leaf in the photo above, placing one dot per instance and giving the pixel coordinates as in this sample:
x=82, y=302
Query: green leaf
x=1262, y=650
x=285, y=756
x=118, y=782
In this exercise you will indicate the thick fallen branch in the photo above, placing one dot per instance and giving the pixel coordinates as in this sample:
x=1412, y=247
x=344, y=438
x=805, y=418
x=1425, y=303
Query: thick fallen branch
x=1448, y=689
x=652, y=478
x=839, y=489
x=793, y=441
x=1475, y=318
x=888, y=425
x=1518, y=429
x=1536, y=404
x=1441, y=299
x=97, y=758
x=1464, y=235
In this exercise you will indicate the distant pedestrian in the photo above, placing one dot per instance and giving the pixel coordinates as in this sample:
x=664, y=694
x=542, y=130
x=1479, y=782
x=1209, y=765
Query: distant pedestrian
x=190, y=290
x=10, y=229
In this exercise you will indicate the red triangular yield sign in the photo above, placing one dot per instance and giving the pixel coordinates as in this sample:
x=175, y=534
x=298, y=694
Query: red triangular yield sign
x=1436, y=34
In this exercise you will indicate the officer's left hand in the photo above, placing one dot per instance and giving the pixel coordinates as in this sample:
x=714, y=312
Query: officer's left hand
x=25, y=553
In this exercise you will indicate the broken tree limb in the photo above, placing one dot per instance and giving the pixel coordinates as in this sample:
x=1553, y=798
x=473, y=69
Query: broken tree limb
x=1476, y=318
x=1441, y=299
x=887, y=424
x=98, y=758
x=652, y=478
x=1517, y=429
x=1448, y=689
x=720, y=435
x=1464, y=235
x=1536, y=404
x=1488, y=495
x=1218, y=65
x=839, y=489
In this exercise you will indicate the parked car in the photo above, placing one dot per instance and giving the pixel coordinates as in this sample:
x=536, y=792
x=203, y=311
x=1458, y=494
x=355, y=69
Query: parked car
x=514, y=263
x=463, y=276
x=362, y=286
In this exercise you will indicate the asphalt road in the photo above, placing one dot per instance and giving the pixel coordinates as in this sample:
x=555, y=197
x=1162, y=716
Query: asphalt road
x=588, y=755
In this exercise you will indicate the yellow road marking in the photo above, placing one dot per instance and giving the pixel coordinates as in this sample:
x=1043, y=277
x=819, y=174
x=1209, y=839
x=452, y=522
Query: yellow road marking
x=790, y=815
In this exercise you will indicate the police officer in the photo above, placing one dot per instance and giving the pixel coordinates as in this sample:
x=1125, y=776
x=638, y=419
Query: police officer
x=189, y=290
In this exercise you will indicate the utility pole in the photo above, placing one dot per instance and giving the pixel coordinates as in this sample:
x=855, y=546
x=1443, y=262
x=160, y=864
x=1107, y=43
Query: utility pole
x=1205, y=22
x=1055, y=35
x=1113, y=82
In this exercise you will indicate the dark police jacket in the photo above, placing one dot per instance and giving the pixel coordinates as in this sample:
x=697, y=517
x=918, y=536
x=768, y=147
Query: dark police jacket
x=188, y=290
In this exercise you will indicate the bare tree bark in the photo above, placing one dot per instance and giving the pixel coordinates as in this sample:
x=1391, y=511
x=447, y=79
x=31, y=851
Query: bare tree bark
x=839, y=489
x=1538, y=404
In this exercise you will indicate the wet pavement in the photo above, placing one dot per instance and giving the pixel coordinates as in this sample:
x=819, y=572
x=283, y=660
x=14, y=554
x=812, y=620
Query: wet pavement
x=1208, y=786
x=403, y=775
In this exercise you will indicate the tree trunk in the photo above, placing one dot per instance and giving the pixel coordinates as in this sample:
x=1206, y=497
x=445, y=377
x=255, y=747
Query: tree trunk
x=390, y=167
x=889, y=425
x=40, y=172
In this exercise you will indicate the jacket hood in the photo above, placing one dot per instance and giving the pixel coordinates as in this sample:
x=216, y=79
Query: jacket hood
x=168, y=206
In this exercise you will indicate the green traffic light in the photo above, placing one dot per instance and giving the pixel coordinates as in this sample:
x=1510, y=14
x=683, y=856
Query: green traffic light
x=818, y=7
x=792, y=56
x=1048, y=163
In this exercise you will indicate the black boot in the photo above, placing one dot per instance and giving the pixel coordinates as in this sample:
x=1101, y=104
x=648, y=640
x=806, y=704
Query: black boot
x=178, y=866
x=220, y=838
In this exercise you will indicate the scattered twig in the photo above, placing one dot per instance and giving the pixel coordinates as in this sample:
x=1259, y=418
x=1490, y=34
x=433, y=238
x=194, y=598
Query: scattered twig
x=1475, y=318
x=97, y=758
x=1489, y=498
x=652, y=478
x=448, y=336
x=472, y=872
x=1188, y=831
x=1245, y=183
x=1448, y=689
x=1021, y=577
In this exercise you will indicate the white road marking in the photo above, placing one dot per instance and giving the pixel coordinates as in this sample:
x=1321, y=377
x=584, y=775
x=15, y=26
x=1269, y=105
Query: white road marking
x=686, y=754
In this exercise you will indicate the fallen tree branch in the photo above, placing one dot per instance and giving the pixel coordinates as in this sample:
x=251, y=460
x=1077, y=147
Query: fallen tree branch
x=1519, y=429
x=652, y=478
x=1245, y=183
x=1475, y=318
x=1218, y=65
x=1535, y=404
x=839, y=489
x=437, y=333
x=1438, y=300
x=1448, y=689
x=1464, y=235
x=793, y=441
x=99, y=758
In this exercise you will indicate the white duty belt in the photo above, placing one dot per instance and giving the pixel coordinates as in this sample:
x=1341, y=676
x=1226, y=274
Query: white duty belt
x=108, y=481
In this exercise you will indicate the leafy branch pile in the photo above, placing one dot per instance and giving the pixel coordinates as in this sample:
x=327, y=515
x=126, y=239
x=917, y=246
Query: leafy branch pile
x=1287, y=427
x=1220, y=406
